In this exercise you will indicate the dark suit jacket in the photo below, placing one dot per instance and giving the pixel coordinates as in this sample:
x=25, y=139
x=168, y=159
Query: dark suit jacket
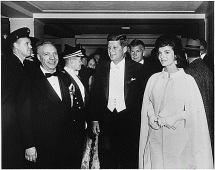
x=79, y=106
x=205, y=81
x=134, y=85
x=47, y=124
x=209, y=61
x=13, y=93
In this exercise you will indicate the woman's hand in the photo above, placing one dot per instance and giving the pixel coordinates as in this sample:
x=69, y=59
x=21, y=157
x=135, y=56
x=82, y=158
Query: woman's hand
x=169, y=121
x=153, y=121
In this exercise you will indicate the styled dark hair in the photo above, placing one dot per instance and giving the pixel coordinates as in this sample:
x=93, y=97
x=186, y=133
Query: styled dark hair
x=115, y=37
x=136, y=42
x=173, y=41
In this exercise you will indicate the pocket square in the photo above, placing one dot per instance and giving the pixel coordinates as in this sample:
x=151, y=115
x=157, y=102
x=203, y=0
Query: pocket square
x=132, y=79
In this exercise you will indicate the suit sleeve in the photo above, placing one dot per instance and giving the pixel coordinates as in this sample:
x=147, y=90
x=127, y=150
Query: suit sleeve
x=24, y=114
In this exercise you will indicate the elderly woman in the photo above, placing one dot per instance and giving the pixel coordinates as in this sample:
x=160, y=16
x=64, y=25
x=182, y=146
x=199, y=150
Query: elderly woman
x=174, y=131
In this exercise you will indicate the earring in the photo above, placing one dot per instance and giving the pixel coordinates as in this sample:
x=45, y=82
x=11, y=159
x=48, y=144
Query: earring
x=175, y=61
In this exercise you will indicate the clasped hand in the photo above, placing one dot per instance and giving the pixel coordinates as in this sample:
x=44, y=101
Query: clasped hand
x=157, y=122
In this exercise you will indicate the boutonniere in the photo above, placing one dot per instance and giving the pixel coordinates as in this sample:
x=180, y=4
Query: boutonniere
x=71, y=92
x=72, y=89
x=132, y=79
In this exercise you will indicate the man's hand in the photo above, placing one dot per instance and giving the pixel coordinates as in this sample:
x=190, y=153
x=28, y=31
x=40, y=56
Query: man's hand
x=31, y=154
x=95, y=127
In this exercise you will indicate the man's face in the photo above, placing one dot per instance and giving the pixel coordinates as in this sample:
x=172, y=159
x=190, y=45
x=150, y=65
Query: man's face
x=202, y=50
x=137, y=53
x=76, y=63
x=48, y=56
x=116, y=51
x=23, y=46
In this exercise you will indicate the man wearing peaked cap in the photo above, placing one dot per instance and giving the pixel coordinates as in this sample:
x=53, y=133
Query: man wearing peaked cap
x=15, y=35
x=79, y=100
x=204, y=79
x=14, y=96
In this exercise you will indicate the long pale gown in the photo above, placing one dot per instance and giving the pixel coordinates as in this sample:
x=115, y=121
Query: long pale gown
x=188, y=146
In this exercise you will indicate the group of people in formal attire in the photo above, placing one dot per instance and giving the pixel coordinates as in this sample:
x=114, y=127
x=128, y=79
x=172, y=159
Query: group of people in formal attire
x=142, y=113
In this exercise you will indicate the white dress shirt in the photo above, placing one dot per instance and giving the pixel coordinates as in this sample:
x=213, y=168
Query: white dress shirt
x=53, y=80
x=116, y=87
x=78, y=81
x=141, y=62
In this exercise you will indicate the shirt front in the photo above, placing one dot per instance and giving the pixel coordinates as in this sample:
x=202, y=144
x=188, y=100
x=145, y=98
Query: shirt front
x=77, y=80
x=116, y=98
x=53, y=80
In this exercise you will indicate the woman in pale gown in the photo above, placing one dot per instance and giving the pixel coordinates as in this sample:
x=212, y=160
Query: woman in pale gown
x=174, y=131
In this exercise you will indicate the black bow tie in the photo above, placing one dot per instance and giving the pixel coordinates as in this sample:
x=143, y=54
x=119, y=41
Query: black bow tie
x=51, y=74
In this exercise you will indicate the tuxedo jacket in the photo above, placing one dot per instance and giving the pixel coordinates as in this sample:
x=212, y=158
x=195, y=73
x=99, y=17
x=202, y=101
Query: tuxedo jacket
x=44, y=120
x=134, y=85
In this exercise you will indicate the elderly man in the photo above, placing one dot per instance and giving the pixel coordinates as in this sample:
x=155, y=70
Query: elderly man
x=47, y=128
x=14, y=88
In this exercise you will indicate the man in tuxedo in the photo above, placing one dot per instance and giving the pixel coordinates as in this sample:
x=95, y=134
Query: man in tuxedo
x=47, y=129
x=14, y=88
x=79, y=101
x=138, y=54
x=115, y=106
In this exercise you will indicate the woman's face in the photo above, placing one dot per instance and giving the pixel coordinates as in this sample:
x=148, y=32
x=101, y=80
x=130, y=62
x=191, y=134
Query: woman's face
x=166, y=56
x=92, y=64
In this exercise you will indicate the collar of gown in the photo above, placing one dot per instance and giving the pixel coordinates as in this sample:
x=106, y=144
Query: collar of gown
x=179, y=73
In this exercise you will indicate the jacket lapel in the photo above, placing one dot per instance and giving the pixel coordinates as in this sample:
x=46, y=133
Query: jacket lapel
x=128, y=76
x=105, y=79
x=46, y=87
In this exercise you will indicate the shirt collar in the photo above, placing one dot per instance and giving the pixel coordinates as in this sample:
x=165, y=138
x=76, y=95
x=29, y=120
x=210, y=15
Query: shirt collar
x=120, y=65
x=203, y=55
x=71, y=70
x=19, y=58
x=44, y=71
x=141, y=62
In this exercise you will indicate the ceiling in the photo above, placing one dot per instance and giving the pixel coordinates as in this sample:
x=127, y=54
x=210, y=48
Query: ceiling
x=70, y=18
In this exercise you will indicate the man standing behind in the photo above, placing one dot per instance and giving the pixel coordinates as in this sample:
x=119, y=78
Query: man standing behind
x=14, y=90
x=138, y=54
x=115, y=105
x=46, y=130
x=79, y=100
x=204, y=79
x=208, y=60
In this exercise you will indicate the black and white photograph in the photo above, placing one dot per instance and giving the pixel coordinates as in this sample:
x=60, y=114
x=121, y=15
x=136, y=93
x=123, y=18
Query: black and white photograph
x=107, y=84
